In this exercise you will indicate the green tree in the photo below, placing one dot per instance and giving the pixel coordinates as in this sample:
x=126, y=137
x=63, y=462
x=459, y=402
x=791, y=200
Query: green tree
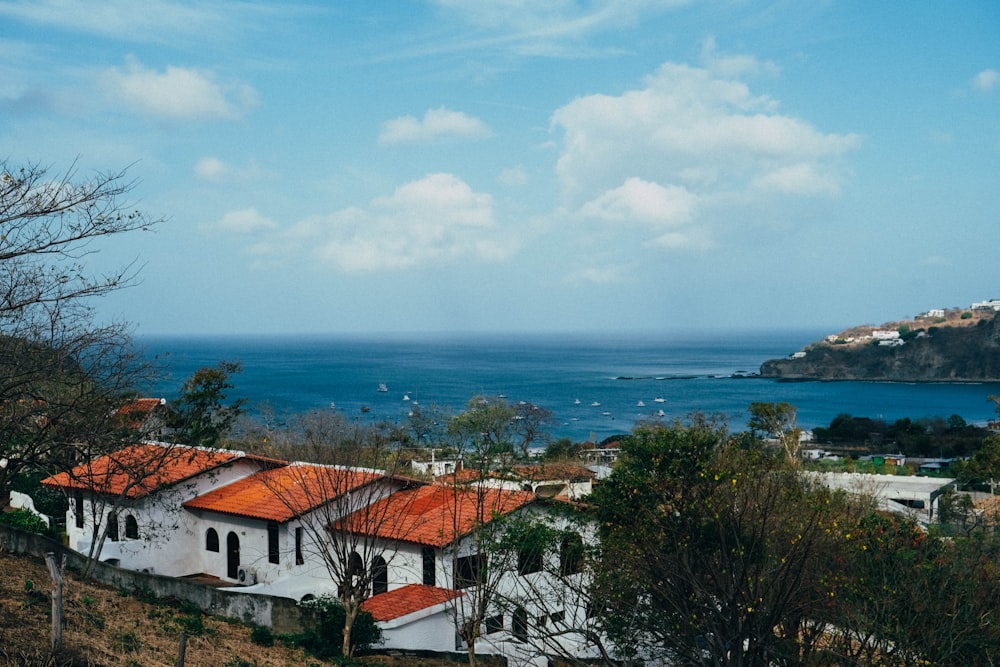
x=200, y=415
x=710, y=549
x=984, y=466
x=776, y=421
x=485, y=428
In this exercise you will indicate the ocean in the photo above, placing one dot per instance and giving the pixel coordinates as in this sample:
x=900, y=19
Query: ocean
x=594, y=385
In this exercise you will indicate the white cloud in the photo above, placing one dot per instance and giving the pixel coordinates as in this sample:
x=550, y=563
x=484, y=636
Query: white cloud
x=557, y=28
x=177, y=93
x=514, y=177
x=246, y=221
x=150, y=21
x=643, y=202
x=733, y=65
x=986, y=80
x=597, y=275
x=433, y=220
x=798, y=179
x=436, y=124
x=214, y=170
x=694, y=147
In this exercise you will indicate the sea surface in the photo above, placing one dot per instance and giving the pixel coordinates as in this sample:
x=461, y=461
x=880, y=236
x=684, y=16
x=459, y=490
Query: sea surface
x=595, y=386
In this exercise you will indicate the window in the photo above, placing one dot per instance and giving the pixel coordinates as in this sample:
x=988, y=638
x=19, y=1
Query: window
x=272, y=542
x=493, y=624
x=380, y=576
x=469, y=570
x=299, y=560
x=211, y=540
x=529, y=557
x=355, y=566
x=570, y=554
x=113, y=527
x=78, y=510
x=430, y=566
x=131, y=528
x=519, y=624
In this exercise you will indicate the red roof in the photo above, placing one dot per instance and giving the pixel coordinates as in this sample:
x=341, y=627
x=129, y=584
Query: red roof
x=139, y=470
x=406, y=600
x=537, y=472
x=134, y=413
x=281, y=494
x=435, y=515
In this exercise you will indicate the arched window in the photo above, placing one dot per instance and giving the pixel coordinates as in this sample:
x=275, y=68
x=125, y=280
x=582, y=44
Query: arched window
x=113, y=527
x=380, y=576
x=211, y=540
x=570, y=554
x=519, y=624
x=355, y=566
x=131, y=528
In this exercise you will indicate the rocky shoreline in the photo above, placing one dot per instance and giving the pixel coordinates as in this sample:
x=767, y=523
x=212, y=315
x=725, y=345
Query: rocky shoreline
x=913, y=351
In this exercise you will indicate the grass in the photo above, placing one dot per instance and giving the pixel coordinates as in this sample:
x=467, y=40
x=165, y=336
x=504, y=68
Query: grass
x=105, y=627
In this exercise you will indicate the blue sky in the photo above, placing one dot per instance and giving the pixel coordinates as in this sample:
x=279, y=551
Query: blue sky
x=478, y=165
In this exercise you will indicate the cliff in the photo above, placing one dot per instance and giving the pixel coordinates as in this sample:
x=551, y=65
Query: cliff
x=952, y=350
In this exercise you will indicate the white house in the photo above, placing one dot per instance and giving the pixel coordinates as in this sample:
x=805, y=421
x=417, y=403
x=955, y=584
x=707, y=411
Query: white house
x=252, y=521
x=135, y=495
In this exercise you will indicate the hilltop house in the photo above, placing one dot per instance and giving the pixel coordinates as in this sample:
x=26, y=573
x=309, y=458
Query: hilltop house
x=259, y=523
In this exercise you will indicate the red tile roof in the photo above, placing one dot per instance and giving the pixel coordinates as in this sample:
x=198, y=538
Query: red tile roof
x=134, y=413
x=542, y=472
x=538, y=472
x=406, y=600
x=281, y=494
x=139, y=470
x=435, y=515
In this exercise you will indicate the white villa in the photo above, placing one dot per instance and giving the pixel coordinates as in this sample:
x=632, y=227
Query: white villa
x=243, y=520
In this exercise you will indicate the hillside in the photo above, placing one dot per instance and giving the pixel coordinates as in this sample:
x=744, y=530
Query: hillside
x=963, y=346
x=108, y=628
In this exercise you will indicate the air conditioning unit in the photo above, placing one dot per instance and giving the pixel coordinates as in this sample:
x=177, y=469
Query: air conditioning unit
x=246, y=576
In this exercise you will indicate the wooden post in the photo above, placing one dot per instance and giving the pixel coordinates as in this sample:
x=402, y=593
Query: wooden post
x=57, y=598
x=181, y=649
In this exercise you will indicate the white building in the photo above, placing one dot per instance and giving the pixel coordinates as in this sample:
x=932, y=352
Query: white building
x=252, y=521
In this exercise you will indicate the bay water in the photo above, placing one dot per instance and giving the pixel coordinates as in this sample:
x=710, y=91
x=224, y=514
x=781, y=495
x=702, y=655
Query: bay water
x=595, y=386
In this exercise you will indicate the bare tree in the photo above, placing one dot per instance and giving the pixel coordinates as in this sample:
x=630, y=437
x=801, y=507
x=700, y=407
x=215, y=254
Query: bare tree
x=354, y=469
x=59, y=371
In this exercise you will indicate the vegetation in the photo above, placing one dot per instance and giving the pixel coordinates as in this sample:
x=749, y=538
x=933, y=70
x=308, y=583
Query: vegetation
x=61, y=374
x=934, y=437
x=200, y=416
x=959, y=349
x=324, y=639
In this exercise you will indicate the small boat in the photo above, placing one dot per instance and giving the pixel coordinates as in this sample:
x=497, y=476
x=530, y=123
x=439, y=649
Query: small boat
x=576, y=402
x=659, y=399
x=661, y=413
x=365, y=408
x=594, y=404
x=406, y=397
x=382, y=388
x=641, y=404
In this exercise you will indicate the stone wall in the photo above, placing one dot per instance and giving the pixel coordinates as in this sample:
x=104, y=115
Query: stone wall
x=282, y=615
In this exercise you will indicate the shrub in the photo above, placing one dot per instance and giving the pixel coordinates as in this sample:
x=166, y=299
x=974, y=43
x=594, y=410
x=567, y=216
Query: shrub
x=23, y=519
x=262, y=636
x=324, y=638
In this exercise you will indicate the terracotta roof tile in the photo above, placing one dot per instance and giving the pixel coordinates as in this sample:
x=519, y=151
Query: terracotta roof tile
x=139, y=470
x=406, y=600
x=434, y=515
x=281, y=494
x=135, y=412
